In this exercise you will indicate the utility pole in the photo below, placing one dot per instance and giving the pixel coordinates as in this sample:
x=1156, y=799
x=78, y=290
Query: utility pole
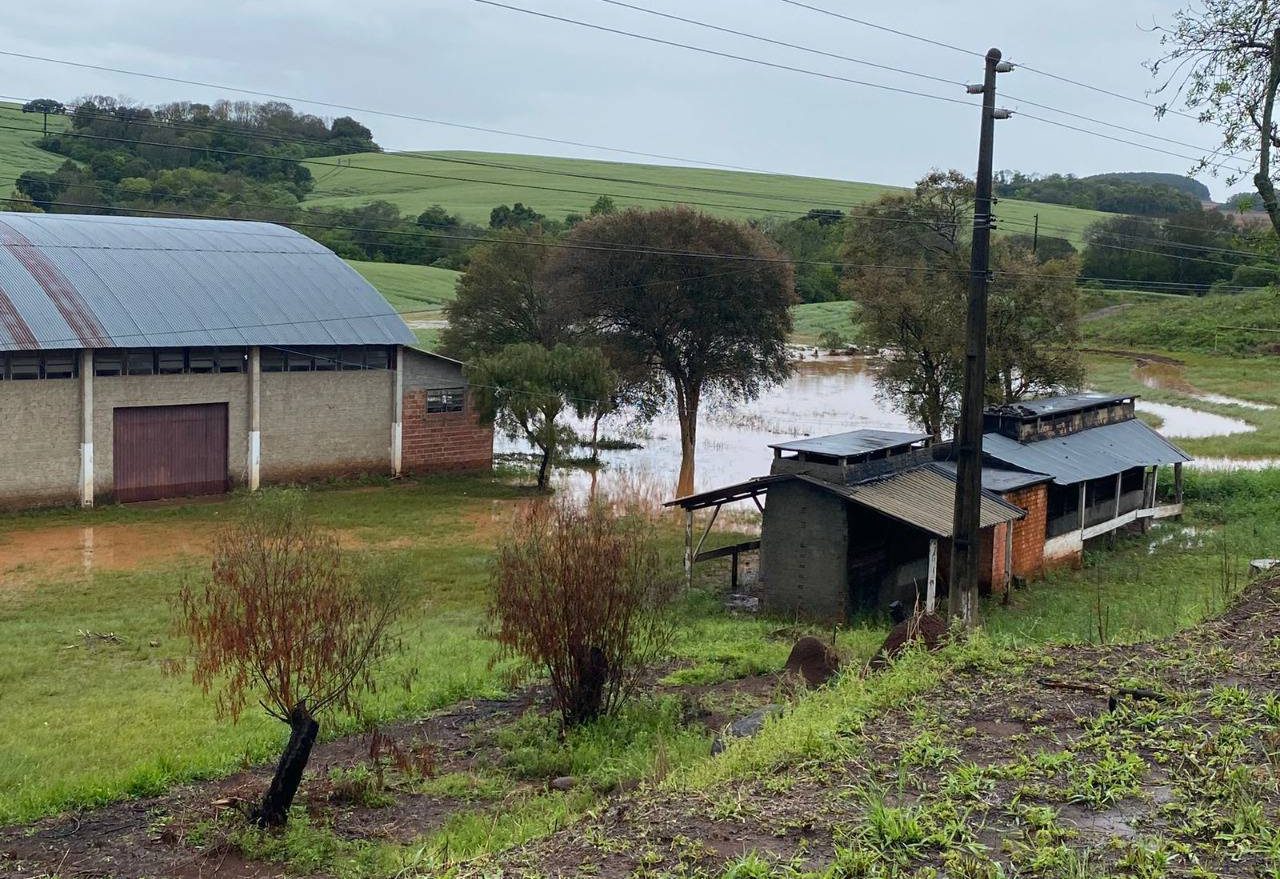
x=1035, y=236
x=966, y=539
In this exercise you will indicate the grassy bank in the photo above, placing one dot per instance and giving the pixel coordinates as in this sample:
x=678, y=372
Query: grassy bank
x=814, y=321
x=419, y=291
x=1196, y=324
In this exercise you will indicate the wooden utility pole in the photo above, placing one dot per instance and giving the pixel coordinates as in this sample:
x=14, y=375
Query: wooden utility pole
x=966, y=540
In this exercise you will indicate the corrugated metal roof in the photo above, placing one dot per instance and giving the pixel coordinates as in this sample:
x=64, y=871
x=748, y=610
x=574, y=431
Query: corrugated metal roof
x=855, y=442
x=1059, y=405
x=998, y=479
x=70, y=281
x=922, y=497
x=1088, y=454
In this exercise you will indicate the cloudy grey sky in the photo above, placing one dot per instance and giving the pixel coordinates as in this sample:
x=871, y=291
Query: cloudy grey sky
x=461, y=61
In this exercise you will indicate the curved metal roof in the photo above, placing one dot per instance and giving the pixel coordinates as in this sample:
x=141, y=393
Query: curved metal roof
x=72, y=281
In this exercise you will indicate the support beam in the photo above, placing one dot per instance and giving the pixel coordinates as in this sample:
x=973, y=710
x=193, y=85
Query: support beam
x=1008, y=557
x=397, y=408
x=86, y=427
x=688, y=549
x=1082, y=499
x=254, y=464
x=931, y=590
x=1177, y=483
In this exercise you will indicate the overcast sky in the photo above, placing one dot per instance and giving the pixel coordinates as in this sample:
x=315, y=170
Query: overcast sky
x=461, y=61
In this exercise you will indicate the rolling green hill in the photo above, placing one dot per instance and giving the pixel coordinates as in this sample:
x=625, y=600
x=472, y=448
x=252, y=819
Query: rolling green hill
x=18, y=150
x=415, y=184
x=419, y=290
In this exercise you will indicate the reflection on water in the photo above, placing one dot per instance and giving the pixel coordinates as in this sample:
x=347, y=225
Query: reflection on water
x=1187, y=423
x=27, y=555
x=825, y=395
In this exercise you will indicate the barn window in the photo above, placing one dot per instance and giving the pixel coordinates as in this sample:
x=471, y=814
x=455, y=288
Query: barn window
x=141, y=362
x=230, y=359
x=327, y=359
x=59, y=364
x=171, y=361
x=202, y=360
x=298, y=361
x=272, y=360
x=446, y=399
x=351, y=358
x=24, y=367
x=108, y=362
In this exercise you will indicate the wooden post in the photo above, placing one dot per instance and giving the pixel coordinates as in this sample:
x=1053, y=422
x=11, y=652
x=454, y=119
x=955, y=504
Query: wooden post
x=1082, y=499
x=1008, y=556
x=931, y=590
x=1177, y=483
x=733, y=572
x=397, y=410
x=688, y=549
x=86, y=427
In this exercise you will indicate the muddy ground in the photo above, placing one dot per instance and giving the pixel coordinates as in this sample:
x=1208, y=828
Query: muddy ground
x=1147, y=760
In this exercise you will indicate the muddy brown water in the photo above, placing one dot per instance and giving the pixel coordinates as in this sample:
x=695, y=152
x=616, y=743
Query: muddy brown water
x=825, y=395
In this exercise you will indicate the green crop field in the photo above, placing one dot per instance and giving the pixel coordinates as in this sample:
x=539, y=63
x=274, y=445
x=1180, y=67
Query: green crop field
x=415, y=181
x=18, y=150
x=408, y=288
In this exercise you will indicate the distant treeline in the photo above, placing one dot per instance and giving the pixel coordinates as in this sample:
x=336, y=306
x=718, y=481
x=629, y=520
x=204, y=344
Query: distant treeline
x=1150, y=195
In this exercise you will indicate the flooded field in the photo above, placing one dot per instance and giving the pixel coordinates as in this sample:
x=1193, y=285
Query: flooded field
x=826, y=395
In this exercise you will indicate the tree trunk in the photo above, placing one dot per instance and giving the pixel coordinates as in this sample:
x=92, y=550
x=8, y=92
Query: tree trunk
x=687, y=413
x=274, y=811
x=544, y=470
x=595, y=438
x=1262, y=180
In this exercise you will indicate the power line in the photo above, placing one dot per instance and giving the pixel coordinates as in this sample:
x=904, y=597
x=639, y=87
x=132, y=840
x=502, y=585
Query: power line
x=384, y=113
x=1017, y=64
x=718, y=53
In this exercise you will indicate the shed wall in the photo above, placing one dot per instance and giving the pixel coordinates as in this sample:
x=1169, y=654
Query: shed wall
x=803, y=552
x=318, y=424
x=39, y=442
x=1029, y=532
x=111, y=392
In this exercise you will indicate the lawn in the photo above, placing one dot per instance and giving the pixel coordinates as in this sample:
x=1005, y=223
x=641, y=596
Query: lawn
x=814, y=320
x=417, y=290
x=18, y=150
x=737, y=194
x=1200, y=324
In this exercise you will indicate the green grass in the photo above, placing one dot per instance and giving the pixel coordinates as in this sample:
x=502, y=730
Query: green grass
x=813, y=320
x=421, y=290
x=1198, y=324
x=742, y=194
x=18, y=150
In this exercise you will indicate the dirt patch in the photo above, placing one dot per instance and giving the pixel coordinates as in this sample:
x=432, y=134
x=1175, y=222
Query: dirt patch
x=29, y=555
x=1108, y=311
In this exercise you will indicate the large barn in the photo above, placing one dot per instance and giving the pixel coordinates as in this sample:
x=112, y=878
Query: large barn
x=151, y=358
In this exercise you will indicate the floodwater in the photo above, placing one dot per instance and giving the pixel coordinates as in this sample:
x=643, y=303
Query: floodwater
x=27, y=554
x=1172, y=377
x=825, y=395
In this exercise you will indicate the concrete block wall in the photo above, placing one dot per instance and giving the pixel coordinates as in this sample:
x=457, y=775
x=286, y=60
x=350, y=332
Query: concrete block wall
x=39, y=442
x=442, y=441
x=804, y=552
x=319, y=424
x=119, y=391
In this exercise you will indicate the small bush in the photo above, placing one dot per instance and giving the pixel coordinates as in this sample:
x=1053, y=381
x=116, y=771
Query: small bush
x=579, y=593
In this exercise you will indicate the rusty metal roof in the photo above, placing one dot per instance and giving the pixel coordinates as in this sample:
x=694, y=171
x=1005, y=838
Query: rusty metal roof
x=855, y=442
x=998, y=479
x=1058, y=405
x=71, y=281
x=924, y=497
x=1087, y=454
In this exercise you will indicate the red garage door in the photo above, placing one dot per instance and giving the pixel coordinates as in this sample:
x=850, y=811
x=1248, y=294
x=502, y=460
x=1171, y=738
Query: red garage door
x=170, y=451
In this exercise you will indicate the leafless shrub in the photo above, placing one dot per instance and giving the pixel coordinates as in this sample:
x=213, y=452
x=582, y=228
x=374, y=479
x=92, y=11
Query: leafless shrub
x=286, y=621
x=579, y=592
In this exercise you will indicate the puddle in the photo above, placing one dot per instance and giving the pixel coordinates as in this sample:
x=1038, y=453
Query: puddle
x=69, y=549
x=1172, y=377
x=1183, y=422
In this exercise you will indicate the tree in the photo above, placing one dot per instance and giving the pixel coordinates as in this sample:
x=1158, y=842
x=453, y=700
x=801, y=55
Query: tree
x=525, y=388
x=603, y=205
x=517, y=216
x=909, y=278
x=503, y=299
x=41, y=188
x=46, y=107
x=1224, y=57
x=678, y=324
x=285, y=621
x=579, y=593
x=1045, y=247
x=1033, y=326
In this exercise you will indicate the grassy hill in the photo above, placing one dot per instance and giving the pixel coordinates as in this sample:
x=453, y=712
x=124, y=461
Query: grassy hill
x=416, y=289
x=1201, y=324
x=737, y=194
x=18, y=150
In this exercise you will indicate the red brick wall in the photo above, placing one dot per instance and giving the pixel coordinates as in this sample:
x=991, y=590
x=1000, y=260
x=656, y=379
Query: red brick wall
x=1028, y=533
x=438, y=441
